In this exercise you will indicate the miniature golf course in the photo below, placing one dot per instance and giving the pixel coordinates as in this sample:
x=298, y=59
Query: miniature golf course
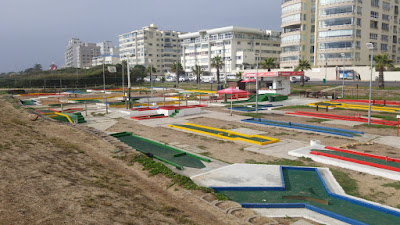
x=340, y=117
x=251, y=108
x=379, y=102
x=320, y=129
x=225, y=134
x=352, y=106
x=263, y=98
x=304, y=188
x=162, y=152
x=360, y=158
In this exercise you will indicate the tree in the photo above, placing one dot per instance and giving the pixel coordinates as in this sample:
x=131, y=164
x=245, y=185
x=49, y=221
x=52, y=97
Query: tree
x=268, y=63
x=238, y=75
x=177, y=68
x=382, y=62
x=303, y=65
x=37, y=67
x=198, y=70
x=217, y=63
x=137, y=74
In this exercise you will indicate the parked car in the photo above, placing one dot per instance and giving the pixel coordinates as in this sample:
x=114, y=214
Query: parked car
x=192, y=78
x=207, y=79
x=183, y=79
x=146, y=79
x=158, y=79
x=294, y=79
x=170, y=79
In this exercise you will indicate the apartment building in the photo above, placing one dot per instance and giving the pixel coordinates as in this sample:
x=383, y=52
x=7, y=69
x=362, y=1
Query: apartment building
x=150, y=45
x=237, y=46
x=335, y=32
x=80, y=55
x=112, y=57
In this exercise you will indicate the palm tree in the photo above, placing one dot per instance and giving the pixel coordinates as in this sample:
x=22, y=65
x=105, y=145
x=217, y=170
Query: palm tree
x=198, y=70
x=268, y=63
x=217, y=63
x=381, y=63
x=37, y=67
x=238, y=75
x=177, y=68
x=303, y=65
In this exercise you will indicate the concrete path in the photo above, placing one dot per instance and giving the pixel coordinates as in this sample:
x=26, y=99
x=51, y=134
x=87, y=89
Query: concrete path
x=279, y=149
x=241, y=175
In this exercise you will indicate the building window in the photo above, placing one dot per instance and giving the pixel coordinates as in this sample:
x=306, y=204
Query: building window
x=374, y=15
x=385, y=26
x=375, y=3
x=386, y=6
x=384, y=47
x=373, y=36
x=385, y=38
x=385, y=17
x=359, y=22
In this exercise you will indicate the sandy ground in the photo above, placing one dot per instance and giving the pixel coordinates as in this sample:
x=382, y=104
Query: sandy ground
x=53, y=173
x=370, y=187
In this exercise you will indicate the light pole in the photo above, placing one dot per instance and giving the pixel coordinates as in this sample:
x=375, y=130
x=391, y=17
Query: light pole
x=123, y=81
x=129, y=82
x=151, y=78
x=257, y=84
x=344, y=59
x=370, y=46
x=326, y=68
x=104, y=76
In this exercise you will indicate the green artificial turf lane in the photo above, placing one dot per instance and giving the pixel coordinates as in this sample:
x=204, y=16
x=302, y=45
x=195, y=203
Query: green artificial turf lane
x=307, y=183
x=359, y=157
x=166, y=152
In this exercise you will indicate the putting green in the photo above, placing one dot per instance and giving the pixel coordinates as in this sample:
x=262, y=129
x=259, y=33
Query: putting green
x=306, y=184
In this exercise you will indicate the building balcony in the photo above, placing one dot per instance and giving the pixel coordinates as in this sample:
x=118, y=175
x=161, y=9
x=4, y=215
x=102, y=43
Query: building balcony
x=290, y=23
x=337, y=4
x=295, y=32
x=336, y=27
x=291, y=53
x=289, y=2
x=338, y=38
x=288, y=13
x=289, y=43
x=339, y=15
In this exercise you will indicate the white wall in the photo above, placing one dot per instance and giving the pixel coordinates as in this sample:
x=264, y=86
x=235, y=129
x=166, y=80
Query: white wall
x=364, y=71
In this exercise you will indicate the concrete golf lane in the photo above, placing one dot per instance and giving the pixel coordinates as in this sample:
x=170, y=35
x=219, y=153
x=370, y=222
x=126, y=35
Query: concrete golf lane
x=225, y=134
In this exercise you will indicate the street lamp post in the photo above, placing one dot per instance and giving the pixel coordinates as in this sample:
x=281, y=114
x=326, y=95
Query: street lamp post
x=257, y=85
x=344, y=60
x=370, y=46
x=326, y=67
x=129, y=82
x=104, y=76
x=151, y=78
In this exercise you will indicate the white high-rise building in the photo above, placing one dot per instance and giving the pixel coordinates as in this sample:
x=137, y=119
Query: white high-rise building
x=238, y=47
x=79, y=54
x=105, y=47
x=139, y=47
x=334, y=32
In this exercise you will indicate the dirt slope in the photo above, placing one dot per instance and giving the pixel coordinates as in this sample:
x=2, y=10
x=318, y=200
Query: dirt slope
x=52, y=173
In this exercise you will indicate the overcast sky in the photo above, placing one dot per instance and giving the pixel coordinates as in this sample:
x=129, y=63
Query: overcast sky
x=38, y=31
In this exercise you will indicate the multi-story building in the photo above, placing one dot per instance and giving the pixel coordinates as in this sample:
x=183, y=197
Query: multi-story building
x=150, y=46
x=79, y=54
x=238, y=47
x=331, y=32
x=112, y=57
x=105, y=47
